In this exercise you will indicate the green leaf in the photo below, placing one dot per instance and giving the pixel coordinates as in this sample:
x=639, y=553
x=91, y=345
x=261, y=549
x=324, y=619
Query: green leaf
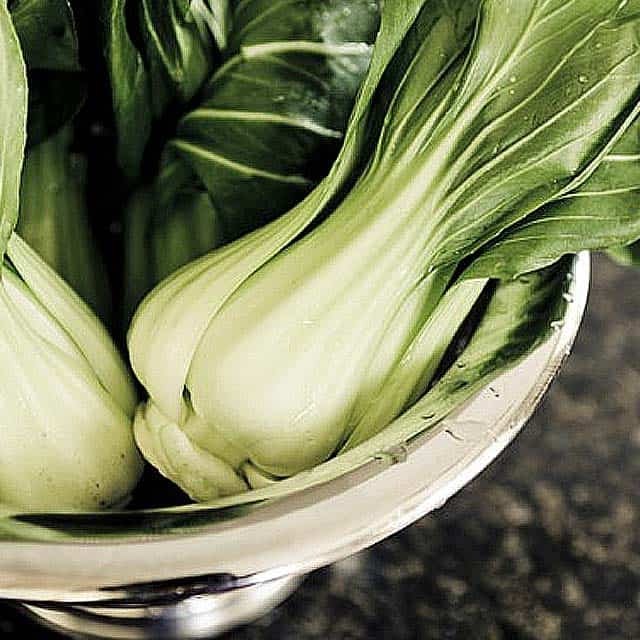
x=47, y=33
x=130, y=90
x=13, y=122
x=272, y=117
x=185, y=303
x=213, y=16
x=603, y=212
x=528, y=121
x=519, y=317
x=57, y=86
x=54, y=218
x=158, y=55
x=179, y=49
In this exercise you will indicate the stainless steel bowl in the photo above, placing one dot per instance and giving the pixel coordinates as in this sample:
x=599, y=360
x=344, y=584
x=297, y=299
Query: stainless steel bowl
x=190, y=572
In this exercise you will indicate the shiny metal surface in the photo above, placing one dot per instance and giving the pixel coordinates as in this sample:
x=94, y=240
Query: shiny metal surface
x=105, y=561
x=196, y=617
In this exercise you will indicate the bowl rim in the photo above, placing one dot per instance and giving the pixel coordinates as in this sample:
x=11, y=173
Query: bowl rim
x=305, y=530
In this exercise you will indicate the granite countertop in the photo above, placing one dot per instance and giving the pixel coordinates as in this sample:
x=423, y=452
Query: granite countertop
x=542, y=546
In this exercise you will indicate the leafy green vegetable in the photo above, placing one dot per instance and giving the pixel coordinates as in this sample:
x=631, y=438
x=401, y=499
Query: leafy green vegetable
x=90, y=336
x=269, y=118
x=67, y=399
x=157, y=53
x=519, y=317
x=57, y=87
x=66, y=396
x=378, y=212
x=603, y=212
x=264, y=129
x=47, y=34
x=187, y=300
x=13, y=121
x=476, y=138
x=178, y=46
x=129, y=88
x=54, y=221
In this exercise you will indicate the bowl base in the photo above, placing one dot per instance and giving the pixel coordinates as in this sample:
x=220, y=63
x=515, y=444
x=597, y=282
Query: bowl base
x=194, y=618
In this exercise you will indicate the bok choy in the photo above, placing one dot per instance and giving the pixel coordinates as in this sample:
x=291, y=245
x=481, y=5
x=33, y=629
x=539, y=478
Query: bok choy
x=53, y=216
x=312, y=334
x=259, y=135
x=358, y=214
x=66, y=396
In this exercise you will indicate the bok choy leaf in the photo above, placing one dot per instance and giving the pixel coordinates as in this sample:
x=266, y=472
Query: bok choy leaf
x=66, y=396
x=158, y=54
x=478, y=135
x=57, y=86
x=261, y=133
x=67, y=399
x=603, y=212
x=272, y=114
x=13, y=122
x=54, y=220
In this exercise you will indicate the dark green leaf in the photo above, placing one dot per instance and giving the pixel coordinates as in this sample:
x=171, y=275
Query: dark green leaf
x=47, y=34
x=49, y=42
x=130, y=91
x=528, y=121
x=158, y=55
x=604, y=212
x=271, y=118
x=179, y=48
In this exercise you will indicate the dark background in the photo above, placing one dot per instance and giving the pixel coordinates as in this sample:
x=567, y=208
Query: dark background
x=542, y=546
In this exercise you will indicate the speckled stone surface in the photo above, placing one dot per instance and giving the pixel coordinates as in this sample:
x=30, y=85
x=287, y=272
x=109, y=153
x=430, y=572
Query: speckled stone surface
x=542, y=546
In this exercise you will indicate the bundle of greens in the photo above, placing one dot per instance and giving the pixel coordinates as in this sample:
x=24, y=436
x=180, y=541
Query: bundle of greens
x=67, y=398
x=259, y=134
x=362, y=213
x=478, y=150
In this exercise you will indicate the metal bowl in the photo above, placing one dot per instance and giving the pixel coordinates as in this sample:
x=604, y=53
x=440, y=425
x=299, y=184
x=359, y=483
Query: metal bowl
x=191, y=572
